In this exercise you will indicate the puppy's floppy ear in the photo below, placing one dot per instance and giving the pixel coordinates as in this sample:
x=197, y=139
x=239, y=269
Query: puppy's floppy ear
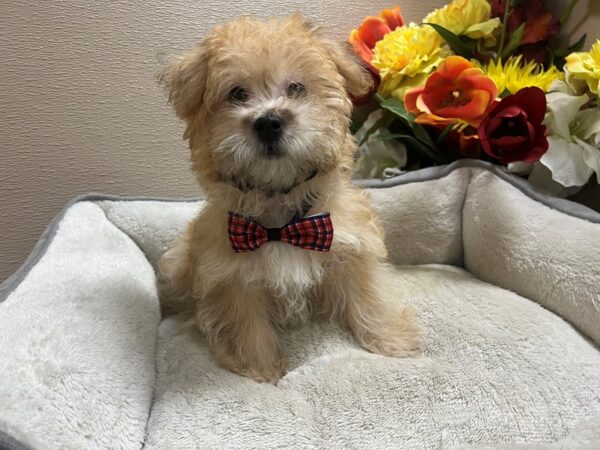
x=357, y=79
x=184, y=79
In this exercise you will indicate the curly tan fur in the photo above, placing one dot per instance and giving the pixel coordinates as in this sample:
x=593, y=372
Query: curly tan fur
x=243, y=301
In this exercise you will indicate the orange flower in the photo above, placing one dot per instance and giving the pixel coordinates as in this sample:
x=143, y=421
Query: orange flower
x=373, y=29
x=457, y=92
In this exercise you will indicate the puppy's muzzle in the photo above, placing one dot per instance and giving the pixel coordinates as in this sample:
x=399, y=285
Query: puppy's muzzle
x=269, y=128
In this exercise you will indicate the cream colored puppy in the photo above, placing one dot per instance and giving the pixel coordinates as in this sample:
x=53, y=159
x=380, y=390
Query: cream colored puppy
x=267, y=110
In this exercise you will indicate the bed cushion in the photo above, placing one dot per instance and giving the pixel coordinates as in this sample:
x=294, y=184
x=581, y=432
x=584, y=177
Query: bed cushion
x=77, y=339
x=520, y=244
x=511, y=358
x=498, y=368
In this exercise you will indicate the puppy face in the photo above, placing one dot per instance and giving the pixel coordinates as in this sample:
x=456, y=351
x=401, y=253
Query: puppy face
x=266, y=103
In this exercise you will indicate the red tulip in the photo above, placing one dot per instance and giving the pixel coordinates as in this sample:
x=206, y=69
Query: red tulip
x=540, y=25
x=513, y=129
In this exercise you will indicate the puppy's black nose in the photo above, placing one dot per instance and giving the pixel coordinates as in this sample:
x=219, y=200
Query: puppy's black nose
x=269, y=128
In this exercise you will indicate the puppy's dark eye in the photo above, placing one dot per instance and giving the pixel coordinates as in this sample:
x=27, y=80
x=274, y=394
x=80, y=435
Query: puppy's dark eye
x=238, y=95
x=295, y=89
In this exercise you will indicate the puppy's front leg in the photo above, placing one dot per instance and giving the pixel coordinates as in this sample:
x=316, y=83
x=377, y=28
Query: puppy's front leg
x=356, y=291
x=237, y=322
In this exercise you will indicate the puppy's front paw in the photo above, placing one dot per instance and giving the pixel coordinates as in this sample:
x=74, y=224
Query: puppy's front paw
x=400, y=336
x=269, y=371
x=265, y=375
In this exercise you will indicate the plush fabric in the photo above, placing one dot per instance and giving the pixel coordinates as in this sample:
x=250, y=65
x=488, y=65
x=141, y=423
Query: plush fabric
x=152, y=224
x=498, y=368
x=77, y=340
x=505, y=281
x=514, y=242
x=423, y=224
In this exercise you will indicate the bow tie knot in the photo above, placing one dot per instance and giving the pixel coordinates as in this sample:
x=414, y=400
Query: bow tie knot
x=311, y=233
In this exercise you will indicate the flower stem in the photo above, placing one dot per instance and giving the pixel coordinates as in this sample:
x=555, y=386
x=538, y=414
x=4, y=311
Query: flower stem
x=568, y=12
x=505, y=25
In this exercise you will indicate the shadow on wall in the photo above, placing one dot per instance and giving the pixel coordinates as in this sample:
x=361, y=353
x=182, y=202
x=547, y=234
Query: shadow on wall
x=592, y=15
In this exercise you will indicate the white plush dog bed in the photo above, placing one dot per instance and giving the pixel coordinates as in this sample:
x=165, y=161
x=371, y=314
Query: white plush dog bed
x=506, y=282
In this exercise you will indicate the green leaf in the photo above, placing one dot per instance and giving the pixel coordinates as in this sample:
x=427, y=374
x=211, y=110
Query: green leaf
x=558, y=55
x=505, y=93
x=399, y=136
x=415, y=143
x=379, y=98
x=514, y=42
x=397, y=107
x=421, y=139
x=458, y=46
x=422, y=135
x=443, y=134
x=577, y=46
x=355, y=126
x=385, y=120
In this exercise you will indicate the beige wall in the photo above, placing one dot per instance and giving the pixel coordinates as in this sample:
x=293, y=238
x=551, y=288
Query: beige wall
x=80, y=110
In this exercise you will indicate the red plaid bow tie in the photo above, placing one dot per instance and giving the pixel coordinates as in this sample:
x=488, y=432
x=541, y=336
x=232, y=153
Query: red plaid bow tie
x=312, y=233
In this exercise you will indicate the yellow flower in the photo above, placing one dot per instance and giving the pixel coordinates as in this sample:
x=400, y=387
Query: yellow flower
x=471, y=18
x=513, y=75
x=585, y=67
x=405, y=56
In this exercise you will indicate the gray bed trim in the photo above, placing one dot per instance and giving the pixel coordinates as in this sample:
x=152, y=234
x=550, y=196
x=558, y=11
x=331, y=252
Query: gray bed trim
x=432, y=173
x=8, y=442
x=11, y=283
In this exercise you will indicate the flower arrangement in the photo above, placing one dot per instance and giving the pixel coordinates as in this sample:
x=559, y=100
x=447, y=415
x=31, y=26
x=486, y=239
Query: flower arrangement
x=480, y=79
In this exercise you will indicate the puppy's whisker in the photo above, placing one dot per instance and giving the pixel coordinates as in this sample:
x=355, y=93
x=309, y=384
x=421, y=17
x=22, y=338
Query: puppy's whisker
x=227, y=144
x=310, y=130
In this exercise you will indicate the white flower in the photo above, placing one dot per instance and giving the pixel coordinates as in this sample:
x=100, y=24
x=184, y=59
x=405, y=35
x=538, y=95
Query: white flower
x=573, y=136
x=378, y=158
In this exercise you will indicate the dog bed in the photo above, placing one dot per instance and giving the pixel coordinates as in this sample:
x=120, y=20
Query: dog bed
x=506, y=282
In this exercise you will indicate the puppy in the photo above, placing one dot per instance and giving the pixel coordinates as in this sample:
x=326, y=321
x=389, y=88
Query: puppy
x=283, y=235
